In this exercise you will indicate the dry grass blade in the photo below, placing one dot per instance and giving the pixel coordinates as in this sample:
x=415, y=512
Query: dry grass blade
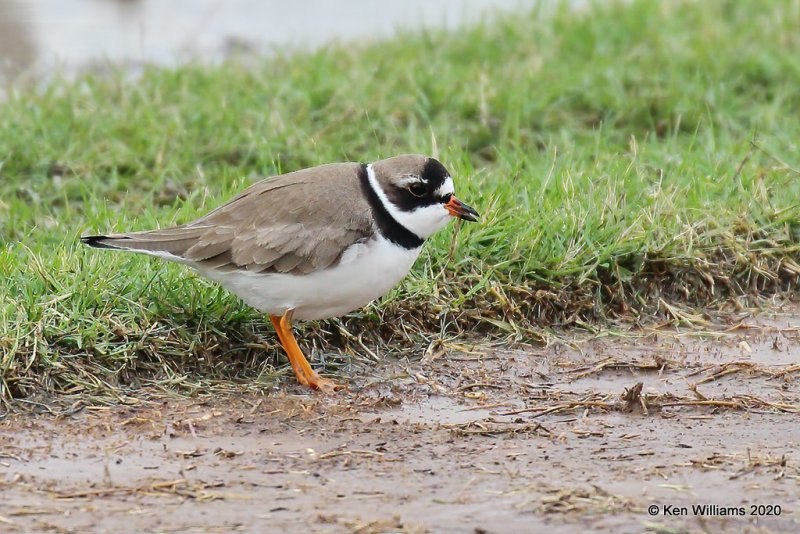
x=180, y=487
x=787, y=371
x=334, y=454
x=613, y=363
x=728, y=369
x=487, y=428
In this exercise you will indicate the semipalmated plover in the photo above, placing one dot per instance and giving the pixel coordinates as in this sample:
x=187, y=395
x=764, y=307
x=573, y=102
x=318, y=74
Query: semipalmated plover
x=314, y=243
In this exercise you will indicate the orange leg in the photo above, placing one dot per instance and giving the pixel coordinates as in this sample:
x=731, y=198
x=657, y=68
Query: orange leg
x=302, y=369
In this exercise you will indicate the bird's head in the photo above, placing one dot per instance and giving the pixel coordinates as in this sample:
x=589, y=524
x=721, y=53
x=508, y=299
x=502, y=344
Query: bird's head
x=419, y=193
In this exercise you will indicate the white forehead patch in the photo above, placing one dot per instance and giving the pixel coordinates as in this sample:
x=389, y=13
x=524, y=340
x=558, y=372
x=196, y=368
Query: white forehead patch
x=445, y=189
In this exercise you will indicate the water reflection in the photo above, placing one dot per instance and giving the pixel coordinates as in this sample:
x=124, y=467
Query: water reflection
x=43, y=35
x=17, y=51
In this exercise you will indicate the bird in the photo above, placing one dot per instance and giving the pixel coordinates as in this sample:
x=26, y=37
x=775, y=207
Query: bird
x=312, y=244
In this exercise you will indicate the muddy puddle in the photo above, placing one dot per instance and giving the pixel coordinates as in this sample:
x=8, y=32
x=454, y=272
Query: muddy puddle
x=585, y=434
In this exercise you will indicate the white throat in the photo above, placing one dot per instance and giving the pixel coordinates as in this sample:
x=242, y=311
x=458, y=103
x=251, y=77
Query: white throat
x=424, y=221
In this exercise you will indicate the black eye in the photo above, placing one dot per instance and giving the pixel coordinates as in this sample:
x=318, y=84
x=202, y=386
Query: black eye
x=417, y=189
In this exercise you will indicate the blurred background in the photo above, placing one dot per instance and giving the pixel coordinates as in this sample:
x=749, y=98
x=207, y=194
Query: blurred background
x=38, y=37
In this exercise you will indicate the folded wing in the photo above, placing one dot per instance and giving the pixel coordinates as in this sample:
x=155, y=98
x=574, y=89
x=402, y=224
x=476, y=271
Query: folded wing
x=293, y=223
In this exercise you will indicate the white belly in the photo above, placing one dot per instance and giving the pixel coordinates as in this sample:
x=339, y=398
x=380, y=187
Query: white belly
x=366, y=271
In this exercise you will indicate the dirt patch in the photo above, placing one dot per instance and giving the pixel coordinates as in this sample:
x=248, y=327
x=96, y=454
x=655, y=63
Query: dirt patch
x=587, y=433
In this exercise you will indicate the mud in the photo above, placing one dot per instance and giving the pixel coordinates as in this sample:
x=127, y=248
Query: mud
x=477, y=440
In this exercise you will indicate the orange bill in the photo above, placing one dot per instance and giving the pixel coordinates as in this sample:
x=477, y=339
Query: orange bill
x=461, y=210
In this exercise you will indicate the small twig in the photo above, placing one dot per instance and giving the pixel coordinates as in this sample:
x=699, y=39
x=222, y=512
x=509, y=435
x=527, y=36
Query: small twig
x=717, y=403
x=333, y=454
x=773, y=157
x=484, y=407
x=744, y=161
x=479, y=385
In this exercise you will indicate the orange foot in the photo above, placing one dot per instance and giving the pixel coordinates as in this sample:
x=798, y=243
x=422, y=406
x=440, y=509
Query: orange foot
x=302, y=369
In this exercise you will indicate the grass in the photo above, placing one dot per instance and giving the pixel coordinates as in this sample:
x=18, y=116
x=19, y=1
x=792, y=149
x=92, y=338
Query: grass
x=630, y=160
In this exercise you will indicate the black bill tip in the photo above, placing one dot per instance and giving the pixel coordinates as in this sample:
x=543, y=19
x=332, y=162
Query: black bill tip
x=461, y=210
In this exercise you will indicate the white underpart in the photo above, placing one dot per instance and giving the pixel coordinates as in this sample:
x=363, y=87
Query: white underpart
x=423, y=222
x=365, y=272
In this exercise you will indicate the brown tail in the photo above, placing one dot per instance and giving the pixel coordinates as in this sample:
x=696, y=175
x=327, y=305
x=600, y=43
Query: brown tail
x=163, y=243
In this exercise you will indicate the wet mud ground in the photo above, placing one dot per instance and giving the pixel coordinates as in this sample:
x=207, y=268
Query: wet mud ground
x=477, y=440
